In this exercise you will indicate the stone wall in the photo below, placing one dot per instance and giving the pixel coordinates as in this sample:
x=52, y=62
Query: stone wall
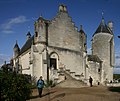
x=94, y=72
x=63, y=33
x=25, y=63
x=101, y=48
x=70, y=59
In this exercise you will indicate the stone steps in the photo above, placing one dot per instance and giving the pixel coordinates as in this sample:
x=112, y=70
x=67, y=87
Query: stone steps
x=71, y=82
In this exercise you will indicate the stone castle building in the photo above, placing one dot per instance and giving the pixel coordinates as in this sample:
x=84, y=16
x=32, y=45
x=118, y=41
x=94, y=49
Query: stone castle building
x=57, y=47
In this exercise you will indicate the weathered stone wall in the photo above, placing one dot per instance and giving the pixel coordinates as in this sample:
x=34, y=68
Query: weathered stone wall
x=101, y=48
x=63, y=33
x=25, y=63
x=70, y=59
x=93, y=72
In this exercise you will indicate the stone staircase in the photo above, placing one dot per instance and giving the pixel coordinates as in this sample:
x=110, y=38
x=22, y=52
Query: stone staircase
x=71, y=82
x=66, y=78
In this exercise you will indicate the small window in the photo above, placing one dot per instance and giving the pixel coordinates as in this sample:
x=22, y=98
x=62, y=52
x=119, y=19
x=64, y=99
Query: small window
x=36, y=34
x=99, y=70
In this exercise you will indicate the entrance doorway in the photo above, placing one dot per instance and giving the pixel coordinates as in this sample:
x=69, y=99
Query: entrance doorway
x=53, y=63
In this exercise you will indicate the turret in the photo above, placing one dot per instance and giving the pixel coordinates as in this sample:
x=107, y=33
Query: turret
x=16, y=50
x=103, y=47
x=41, y=27
x=28, y=35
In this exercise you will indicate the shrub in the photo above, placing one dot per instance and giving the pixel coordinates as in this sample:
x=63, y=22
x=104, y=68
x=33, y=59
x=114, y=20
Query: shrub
x=14, y=87
x=50, y=83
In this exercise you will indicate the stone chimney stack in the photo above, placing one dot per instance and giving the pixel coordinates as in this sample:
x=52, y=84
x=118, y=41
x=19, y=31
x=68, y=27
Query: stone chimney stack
x=110, y=25
x=62, y=8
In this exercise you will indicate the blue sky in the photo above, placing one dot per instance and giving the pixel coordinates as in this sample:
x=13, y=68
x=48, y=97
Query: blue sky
x=17, y=18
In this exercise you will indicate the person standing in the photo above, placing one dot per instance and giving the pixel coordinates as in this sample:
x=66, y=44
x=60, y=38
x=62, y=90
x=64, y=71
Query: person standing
x=90, y=81
x=40, y=85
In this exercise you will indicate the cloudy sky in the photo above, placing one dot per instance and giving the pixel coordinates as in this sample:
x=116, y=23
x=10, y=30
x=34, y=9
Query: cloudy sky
x=17, y=18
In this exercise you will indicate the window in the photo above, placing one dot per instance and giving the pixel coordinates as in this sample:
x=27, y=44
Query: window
x=99, y=70
x=36, y=34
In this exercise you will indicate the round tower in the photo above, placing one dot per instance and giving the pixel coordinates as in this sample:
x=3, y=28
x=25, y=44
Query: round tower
x=16, y=50
x=41, y=30
x=103, y=47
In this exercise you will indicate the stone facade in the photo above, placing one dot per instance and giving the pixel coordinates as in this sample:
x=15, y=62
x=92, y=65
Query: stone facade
x=57, y=47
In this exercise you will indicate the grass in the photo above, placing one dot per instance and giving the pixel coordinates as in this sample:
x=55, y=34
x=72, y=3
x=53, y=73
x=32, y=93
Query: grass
x=114, y=89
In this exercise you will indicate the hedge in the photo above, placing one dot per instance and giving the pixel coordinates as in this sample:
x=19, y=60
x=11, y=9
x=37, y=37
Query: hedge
x=14, y=87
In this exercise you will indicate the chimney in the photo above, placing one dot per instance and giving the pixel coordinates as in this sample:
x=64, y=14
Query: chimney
x=110, y=25
x=62, y=8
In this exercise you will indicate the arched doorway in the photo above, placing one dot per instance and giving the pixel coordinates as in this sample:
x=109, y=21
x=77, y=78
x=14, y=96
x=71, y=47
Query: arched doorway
x=54, y=60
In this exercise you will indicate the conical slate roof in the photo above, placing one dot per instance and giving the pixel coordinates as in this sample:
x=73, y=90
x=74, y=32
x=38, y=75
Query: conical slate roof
x=16, y=46
x=103, y=28
x=28, y=34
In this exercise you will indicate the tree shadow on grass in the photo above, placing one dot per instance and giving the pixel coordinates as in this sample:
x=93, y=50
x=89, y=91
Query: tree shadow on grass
x=114, y=89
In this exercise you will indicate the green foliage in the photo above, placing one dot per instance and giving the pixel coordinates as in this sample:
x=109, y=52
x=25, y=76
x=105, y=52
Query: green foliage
x=14, y=87
x=116, y=76
x=50, y=83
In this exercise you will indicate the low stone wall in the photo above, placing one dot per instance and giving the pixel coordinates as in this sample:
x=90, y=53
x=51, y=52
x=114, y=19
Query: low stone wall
x=113, y=84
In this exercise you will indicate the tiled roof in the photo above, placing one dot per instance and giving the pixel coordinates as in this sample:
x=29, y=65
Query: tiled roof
x=94, y=58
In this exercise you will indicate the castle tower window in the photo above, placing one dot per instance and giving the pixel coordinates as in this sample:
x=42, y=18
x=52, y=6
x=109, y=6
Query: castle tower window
x=99, y=70
x=36, y=34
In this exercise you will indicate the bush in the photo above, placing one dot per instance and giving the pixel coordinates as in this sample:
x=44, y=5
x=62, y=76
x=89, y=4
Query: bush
x=14, y=87
x=50, y=83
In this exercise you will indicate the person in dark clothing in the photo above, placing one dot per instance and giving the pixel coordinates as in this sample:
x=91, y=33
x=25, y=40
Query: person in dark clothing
x=40, y=85
x=90, y=81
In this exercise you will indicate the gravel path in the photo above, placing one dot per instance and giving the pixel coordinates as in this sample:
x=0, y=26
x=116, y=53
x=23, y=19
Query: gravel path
x=99, y=93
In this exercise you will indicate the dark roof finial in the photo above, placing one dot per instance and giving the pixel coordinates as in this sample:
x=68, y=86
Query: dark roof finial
x=80, y=27
x=16, y=45
x=102, y=15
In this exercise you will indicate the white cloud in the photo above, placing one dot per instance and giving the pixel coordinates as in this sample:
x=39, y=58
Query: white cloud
x=7, y=26
x=7, y=31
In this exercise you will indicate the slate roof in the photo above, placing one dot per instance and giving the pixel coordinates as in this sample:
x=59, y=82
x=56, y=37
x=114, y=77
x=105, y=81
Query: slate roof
x=28, y=34
x=27, y=45
x=103, y=28
x=94, y=58
x=16, y=45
